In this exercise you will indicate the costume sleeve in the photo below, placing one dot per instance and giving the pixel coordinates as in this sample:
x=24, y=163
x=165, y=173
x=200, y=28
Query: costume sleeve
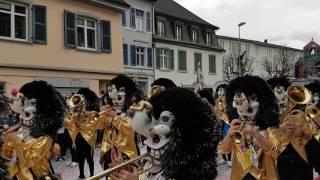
x=102, y=121
x=123, y=125
x=68, y=121
x=273, y=135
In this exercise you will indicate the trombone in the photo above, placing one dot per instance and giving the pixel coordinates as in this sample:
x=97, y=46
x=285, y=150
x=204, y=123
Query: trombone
x=132, y=161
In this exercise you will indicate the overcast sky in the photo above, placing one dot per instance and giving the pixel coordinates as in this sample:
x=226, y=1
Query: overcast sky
x=289, y=22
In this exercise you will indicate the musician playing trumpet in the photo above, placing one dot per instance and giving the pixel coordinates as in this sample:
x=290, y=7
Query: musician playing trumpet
x=252, y=135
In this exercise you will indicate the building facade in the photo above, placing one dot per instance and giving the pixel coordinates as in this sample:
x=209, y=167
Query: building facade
x=183, y=43
x=69, y=43
x=137, y=26
x=257, y=51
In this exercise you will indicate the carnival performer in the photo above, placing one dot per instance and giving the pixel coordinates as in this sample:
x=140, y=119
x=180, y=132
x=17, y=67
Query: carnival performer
x=82, y=126
x=181, y=139
x=252, y=107
x=30, y=143
x=313, y=146
x=118, y=133
x=161, y=84
x=293, y=162
x=4, y=103
x=220, y=111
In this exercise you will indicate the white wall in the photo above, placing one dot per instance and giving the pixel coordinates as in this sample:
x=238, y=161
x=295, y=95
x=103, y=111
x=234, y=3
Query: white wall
x=189, y=77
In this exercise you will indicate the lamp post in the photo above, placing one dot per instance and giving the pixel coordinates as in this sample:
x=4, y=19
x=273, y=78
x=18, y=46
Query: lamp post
x=239, y=60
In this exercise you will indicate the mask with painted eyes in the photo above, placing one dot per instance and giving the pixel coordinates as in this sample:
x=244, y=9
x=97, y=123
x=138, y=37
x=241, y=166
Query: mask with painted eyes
x=247, y=106
x=26, y=108
x=282, y=96
x=221, y=93
x=314, y=100
x=118, y=99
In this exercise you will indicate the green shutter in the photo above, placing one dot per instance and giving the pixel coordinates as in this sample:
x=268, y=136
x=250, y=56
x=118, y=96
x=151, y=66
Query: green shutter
x=171, y=59
x=69, y=29
x=158, y=58
x=212, y=64
x=39, y=24
x=182, y=55
x=106, y=45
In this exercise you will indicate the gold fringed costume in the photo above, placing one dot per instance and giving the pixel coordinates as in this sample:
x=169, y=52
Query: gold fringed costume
x=265, y=169
x=33, y=156
x=121, y=135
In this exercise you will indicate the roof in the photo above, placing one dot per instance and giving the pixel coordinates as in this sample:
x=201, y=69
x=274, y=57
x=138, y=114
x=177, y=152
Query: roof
x=312, y=44
x=259, y=43
x=171, y=8
x=116, y=4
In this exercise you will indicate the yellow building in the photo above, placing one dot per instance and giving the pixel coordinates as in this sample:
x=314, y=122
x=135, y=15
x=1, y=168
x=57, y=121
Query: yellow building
x=69, y=43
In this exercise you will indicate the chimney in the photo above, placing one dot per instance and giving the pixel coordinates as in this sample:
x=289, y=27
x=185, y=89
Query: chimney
x=265, y=41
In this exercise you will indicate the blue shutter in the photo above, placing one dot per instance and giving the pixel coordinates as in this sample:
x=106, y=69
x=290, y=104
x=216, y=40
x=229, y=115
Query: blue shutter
x=149, y=63
x=148, y=28
x=133, y=55
x=125, y=54
x=133, y=18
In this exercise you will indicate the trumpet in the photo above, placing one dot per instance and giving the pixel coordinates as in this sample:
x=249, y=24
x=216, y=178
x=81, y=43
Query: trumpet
x=237, y=136
x=76, y=100
x=313, y=117
x=132, y=161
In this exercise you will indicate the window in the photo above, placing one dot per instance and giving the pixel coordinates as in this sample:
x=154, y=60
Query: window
x=140, y=56
x=197, y=61
x=234, y=46
x=164, y=59
x=124, y=23
x=13, y=21
x=194, y=36
x=86, y=33
x=212, y=64
x=160, y=25
x=248, y=49
x=269, y=52
x=139, y=20
x=208, y=38
x=221, y=43
x=182, y=57
x=178, y=32
x=257, y=51
x=125, y=54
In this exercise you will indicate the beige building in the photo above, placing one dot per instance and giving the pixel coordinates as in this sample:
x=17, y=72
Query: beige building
x=69, y=43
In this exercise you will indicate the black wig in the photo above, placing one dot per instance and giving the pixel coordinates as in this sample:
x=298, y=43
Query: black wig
x=91, y=99
x=130, y=88
x=314, y=87
x=167, y=83
x=279, y=81
x=207, y=95
x=50, y=108
x=268, y=113
x=192, y=150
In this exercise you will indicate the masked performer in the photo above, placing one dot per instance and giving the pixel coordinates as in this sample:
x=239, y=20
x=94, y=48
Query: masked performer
x=293, y=162
x=119, y=132
x=220, y=111
x=252, y=107
x=181, y=138
x=313, y=117
x=82, y=125
x=3, y=112
x=29, y=144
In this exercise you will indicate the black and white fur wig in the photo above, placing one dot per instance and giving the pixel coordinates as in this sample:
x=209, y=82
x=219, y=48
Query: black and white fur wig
x=91, y=99
x=130, y=88
x=49, y=108
x=268, y=112
x=192, y=148
x=279, y=81
x=314, y=87
x=167, y=83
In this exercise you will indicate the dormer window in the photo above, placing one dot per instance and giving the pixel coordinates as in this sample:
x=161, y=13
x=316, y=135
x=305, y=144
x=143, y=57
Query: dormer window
x=178, y=32
x=160, y=25
x=194, y=35
x=208, y=38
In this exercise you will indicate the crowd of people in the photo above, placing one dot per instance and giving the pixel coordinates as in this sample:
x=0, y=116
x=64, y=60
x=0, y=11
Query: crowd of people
x=263, y=130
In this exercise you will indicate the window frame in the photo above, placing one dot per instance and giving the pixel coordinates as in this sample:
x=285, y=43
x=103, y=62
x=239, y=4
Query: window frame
x=85, y=27
x=162, y=59
x=12, y=21
x=194, y=33
x=137, y=20
x=160, y=29
x=208, y=38
x=139, y=54
x=178, y=32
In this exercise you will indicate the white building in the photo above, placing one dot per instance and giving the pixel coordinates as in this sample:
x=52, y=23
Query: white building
x=258, y=51
x=182, y=41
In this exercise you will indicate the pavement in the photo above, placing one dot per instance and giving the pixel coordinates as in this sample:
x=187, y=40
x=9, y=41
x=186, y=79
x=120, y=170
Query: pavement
x=72, y=173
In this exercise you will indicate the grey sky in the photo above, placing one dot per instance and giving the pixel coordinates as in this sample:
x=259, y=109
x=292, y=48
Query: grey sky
x=289, y=22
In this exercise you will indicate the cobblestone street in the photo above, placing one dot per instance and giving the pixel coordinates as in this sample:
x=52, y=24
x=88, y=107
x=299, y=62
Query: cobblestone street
x=72, y=173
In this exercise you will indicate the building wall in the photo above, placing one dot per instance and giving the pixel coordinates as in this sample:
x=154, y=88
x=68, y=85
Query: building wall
x=55, y=56
x=186, y=79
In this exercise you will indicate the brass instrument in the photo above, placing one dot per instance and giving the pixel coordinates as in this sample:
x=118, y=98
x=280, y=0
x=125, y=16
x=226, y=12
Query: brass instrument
x=76, y=100
x=313, y=117
x=132, y=161
x=238, y=135
x=11, y=129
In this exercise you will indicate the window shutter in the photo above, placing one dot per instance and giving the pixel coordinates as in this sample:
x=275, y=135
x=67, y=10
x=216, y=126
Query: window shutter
x=133, y=18
x=133, y=55
x=182, y=60
x=105, y=36
x=69, y=30
x=158, y=58
x=149, y=63
x=124, y=23
x=148, y=28
x=125, y=54
x=171, y=57
x=212, y=63
x=39, y=24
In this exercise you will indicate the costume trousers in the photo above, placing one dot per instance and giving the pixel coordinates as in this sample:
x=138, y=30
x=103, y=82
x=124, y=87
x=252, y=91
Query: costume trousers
x=313, y=152
x=84, y=152
x=66, y=143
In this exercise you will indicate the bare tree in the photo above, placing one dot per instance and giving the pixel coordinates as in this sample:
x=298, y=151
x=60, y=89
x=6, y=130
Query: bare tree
x=281, y=65
x=232, y=68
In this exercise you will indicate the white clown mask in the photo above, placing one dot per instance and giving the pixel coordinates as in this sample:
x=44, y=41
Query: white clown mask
x=281, y=95
x=221, y=92
x=246, y=106
x=118, y=98
x=26, y=108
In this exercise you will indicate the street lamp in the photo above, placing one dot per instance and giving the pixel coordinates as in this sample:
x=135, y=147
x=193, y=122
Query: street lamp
x=239, y=61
